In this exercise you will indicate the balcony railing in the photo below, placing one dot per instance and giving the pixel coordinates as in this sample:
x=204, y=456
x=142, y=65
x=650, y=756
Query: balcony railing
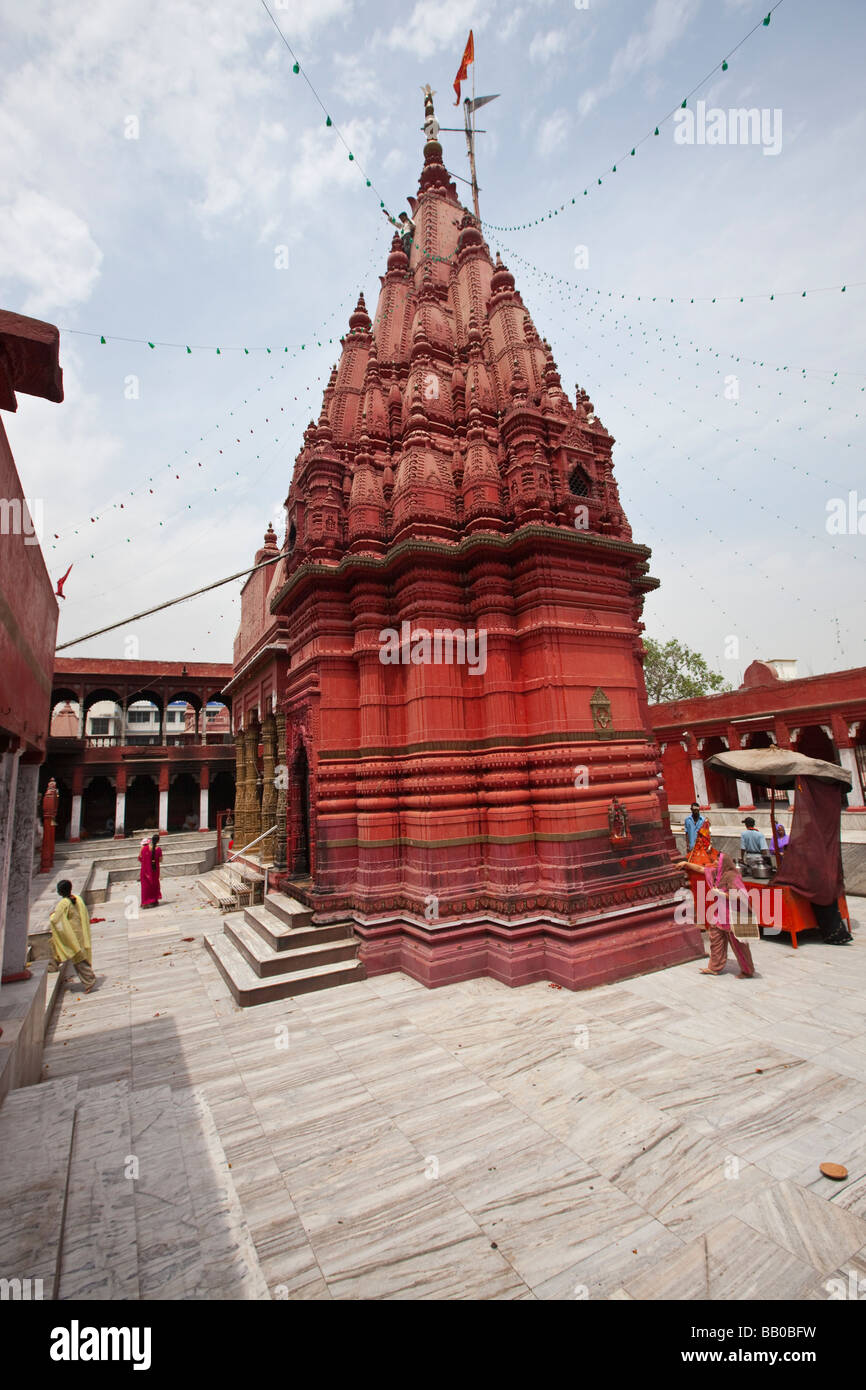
x=149, y=741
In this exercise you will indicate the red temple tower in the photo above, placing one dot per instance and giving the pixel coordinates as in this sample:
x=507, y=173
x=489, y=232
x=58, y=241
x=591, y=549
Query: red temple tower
x=453, y=629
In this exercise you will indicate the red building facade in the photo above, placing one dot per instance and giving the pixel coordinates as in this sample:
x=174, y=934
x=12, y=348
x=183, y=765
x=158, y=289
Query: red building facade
x=444, y=660
x=29, y=363
x=821, y=716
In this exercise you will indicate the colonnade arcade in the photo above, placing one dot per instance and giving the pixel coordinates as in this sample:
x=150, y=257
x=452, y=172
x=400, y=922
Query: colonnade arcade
x=687, y=777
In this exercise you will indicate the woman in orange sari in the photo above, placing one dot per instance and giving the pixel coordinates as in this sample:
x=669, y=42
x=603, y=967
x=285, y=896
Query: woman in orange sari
x=704, y=852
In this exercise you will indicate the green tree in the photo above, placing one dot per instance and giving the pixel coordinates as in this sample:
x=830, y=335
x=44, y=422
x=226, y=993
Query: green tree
x=674, y=672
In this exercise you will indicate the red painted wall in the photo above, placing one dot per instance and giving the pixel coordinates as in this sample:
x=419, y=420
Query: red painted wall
x=28, y=623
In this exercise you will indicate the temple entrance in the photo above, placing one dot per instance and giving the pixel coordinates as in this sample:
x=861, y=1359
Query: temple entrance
x=183, y=802
x=221, y=797
x=299, y=852
x=815, y=743
x=760, y=795
x=142, y=804
x=97, y=808
x=721, y=790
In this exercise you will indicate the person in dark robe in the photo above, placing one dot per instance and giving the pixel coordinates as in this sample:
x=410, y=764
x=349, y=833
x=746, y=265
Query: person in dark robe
x=812, y=864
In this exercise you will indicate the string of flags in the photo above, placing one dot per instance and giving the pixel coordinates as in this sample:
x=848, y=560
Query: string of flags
x=767, y=295
x=743, y=444
x=581, y=292
x=119, y=503
x=721, y=66
x=730, y=550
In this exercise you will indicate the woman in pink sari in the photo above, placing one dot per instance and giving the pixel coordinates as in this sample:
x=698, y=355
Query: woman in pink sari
x=723, y=878
x=149, y=859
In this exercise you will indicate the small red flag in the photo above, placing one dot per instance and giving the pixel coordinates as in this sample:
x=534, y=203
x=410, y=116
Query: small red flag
x=468, y=57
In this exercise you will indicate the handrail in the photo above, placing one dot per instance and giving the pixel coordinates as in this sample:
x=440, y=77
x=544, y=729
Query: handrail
x=263, y=836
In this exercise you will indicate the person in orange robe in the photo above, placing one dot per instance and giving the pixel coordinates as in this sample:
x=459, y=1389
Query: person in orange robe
x=704, y=851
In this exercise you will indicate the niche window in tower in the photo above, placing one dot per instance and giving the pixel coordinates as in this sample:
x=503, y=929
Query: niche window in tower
x=578, y=483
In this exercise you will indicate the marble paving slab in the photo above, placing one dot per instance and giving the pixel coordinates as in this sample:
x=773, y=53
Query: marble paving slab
x=819, y=1232
x=729, y=1262
x=381, y=1140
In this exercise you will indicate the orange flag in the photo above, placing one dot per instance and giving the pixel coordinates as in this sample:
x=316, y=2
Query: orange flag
x=468, y=57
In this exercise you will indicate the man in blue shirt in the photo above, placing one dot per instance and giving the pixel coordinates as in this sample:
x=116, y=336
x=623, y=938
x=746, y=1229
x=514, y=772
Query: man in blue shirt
x=692, y=825
x=753, y=850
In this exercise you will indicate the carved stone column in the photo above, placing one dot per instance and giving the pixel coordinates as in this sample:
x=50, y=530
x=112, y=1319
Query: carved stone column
x=269, y=790
x=251, y=807
x=282, y=788
x=240, y=785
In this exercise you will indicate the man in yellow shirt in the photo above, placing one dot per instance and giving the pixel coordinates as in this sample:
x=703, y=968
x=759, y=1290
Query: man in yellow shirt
x=70, y=934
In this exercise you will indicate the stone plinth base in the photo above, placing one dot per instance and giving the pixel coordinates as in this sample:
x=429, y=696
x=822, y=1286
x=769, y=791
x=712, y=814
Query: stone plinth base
x=22, y=1018
x=599, y=953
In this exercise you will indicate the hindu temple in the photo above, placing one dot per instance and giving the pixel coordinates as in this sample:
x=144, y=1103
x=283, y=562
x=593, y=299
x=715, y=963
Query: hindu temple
x=437, y=688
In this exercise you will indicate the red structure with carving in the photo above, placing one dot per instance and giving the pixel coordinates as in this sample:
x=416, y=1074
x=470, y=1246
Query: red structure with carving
x=451, y=636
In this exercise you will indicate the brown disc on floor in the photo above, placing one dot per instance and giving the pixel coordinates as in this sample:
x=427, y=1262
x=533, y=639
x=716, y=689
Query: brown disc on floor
x=834, y=1170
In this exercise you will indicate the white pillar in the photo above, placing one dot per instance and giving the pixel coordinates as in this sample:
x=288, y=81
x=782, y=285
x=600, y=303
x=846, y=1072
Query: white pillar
x=203, y=811
x=163, y=813
x=848, y=759
x=119, y=814
x=746, y=796
x=14, y=950
x=8, y=791
x=75, y=822
x=700, y=782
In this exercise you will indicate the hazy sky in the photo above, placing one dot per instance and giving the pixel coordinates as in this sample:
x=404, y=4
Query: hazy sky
x=164, y=175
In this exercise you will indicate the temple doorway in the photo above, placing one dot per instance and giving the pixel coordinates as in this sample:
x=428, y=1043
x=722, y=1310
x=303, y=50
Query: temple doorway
x=142, y=804
x=183, y=802
x=221, y=797
x=721, y=789
x=300, y=814
x=97, y=808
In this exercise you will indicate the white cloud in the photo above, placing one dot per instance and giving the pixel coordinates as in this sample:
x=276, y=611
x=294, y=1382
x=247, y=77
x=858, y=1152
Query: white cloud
x=431, y=28
x=320, y=162
x=47, y=249
x=666, y=23
x=546, y=46
x=552, y=133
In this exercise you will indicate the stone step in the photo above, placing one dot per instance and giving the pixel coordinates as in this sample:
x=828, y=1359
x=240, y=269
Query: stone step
x=265, y=961
x=247, y=988
x=185, y=866
x=282, y=938
x=131, y=845
x=170, y=1261
x=228, y=1257
x=289, y=911
x=192, y=854
x=99, y=1258
x=228, y=889
x=36, y=1134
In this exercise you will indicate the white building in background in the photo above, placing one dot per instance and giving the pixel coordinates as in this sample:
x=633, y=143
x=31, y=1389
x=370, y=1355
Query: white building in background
x=784, y=666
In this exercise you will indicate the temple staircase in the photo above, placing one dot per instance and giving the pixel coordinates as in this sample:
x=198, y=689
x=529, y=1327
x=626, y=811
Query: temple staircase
x=276, y=952
x=232, y=886
x=113, y=1193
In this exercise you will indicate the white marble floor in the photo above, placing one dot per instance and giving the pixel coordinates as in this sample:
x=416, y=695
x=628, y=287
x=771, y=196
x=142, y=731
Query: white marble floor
x=658, y=1138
